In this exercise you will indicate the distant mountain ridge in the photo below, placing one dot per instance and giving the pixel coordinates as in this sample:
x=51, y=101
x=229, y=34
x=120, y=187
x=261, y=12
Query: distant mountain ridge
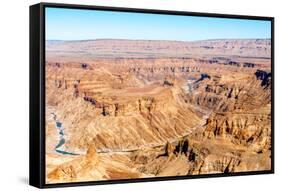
x=110, y=48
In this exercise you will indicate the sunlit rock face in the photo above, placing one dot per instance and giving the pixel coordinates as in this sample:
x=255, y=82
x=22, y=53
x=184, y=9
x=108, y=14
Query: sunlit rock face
x=156, y=108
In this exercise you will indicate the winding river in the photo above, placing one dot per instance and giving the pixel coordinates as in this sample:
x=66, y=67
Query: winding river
x=61, y=142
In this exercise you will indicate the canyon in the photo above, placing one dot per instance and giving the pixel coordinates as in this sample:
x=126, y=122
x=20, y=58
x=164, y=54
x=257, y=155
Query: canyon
x=127, y=109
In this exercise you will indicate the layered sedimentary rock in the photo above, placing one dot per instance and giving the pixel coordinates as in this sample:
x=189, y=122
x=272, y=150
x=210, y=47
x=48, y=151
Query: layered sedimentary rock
x=153, y=111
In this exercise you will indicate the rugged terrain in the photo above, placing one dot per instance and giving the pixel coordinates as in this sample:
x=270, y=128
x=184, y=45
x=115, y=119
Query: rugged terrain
x=121, y=109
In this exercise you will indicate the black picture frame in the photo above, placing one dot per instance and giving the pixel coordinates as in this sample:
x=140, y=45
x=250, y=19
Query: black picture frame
x=37, y=94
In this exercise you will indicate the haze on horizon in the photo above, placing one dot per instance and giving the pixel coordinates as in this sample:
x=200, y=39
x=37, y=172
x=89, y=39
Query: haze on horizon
x=79, y=24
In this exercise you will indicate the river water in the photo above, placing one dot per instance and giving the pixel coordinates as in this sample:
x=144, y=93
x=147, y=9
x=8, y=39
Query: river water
x=61, y=142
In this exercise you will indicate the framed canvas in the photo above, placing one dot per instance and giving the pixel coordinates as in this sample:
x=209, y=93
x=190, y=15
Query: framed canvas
x=121, y=95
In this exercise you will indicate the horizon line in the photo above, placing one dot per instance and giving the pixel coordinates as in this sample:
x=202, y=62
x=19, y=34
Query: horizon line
x=159, y=40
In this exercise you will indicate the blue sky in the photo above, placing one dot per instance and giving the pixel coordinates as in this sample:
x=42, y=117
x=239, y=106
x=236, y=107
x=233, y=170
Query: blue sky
x=75, y=24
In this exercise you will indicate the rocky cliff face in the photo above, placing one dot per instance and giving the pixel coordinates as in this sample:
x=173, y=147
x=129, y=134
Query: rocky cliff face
x=241, y=108
x=129, y=121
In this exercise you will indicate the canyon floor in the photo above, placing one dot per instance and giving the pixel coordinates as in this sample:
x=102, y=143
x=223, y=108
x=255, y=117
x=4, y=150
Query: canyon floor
x=122, y=109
